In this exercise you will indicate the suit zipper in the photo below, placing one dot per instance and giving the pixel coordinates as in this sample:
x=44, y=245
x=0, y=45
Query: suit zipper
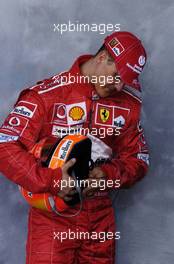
x=91, y=115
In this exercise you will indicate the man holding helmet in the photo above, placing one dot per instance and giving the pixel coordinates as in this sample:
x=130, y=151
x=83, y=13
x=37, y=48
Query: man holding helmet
x=50, y=107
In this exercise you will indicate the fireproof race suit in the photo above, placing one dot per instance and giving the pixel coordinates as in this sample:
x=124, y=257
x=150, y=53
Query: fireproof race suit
x=52, y=108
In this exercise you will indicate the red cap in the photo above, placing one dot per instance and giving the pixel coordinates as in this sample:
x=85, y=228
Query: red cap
x=129, y=55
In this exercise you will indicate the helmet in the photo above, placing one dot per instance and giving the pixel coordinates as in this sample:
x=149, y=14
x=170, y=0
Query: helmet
x=53, y=153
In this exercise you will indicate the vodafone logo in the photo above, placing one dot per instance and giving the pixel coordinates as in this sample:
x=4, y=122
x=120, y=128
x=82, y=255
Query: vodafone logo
x=15, y=124
x=142, y=60
x=61, y=111
x=59, y=114
x=14, y=121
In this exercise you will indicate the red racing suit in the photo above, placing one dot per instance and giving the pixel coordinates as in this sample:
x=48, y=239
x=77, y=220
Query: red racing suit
x=48, y=109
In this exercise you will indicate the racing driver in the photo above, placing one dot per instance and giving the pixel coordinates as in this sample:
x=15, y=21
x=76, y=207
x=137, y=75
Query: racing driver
x=60, y=103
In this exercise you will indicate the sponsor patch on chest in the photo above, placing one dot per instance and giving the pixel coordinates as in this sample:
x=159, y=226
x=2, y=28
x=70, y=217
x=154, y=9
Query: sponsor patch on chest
x=112, y=116
x=70, y=114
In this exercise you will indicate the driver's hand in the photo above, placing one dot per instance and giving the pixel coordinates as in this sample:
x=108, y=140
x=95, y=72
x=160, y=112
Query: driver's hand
x=95, y=175
x=67, y=192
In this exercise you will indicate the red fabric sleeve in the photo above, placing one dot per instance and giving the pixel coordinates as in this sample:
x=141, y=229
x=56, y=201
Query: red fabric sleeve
x=18, y=134
x=131, y=157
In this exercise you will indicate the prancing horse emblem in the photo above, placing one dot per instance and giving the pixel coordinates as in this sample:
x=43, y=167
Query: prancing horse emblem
x=104, y=114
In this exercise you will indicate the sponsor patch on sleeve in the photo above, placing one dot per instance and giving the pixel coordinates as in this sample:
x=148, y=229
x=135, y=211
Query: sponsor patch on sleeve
x=7, y=138
x=25, y=109
x=144, y=157
x=15, y=124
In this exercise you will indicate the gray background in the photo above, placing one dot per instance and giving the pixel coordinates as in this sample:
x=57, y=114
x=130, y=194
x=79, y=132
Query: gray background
x=30, y=50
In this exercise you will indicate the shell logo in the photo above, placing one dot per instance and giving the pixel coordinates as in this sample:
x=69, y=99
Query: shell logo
x=76, y=113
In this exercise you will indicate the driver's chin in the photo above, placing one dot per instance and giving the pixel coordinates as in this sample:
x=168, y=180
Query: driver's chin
x=108, y=89
x=115, y=87
x=105, y=91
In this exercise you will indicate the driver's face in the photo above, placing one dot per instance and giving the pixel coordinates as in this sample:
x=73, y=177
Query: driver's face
x=111, y=81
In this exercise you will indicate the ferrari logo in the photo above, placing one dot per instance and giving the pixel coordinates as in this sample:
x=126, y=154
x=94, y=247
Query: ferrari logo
x=104, y=114
x=113, y=42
